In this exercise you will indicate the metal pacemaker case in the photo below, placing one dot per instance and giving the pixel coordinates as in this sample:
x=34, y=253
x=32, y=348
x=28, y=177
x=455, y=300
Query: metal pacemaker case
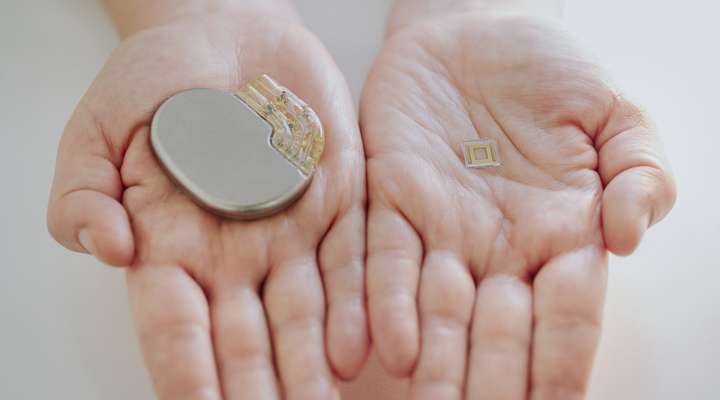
x=244, y=156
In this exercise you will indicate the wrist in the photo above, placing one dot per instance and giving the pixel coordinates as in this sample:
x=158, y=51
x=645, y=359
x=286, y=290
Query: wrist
x=131, y=16
x=406, y=12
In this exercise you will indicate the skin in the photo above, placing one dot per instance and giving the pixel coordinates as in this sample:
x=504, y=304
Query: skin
x=481, y=284
x=489, y=283
x=224, y=309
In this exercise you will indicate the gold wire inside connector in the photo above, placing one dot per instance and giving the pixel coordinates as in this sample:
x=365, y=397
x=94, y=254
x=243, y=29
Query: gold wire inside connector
x=297, y=131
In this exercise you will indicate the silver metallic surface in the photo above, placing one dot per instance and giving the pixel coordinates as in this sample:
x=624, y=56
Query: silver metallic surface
x=218, y=150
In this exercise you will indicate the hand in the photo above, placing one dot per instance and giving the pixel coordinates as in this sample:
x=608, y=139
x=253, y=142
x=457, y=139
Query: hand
x=223, y=308
x=510, y=261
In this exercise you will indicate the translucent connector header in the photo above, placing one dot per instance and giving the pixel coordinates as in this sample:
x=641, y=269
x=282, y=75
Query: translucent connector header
x=297, y=131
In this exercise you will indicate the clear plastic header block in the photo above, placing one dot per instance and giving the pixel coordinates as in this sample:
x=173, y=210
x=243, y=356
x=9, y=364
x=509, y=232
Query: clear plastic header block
x=297, y=131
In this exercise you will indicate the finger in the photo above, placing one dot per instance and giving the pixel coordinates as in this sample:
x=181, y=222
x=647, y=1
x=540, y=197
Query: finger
x=242, y=345
x=393, y=270
x=171, y=315
x=342, y=260
x=568, y=303
x=84, y=212
x=295, y=304
x=500, y=340
x=639, y=186
x=446, y=301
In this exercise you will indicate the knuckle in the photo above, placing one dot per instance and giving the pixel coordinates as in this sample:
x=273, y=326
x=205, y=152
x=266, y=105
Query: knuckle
x=164, y=333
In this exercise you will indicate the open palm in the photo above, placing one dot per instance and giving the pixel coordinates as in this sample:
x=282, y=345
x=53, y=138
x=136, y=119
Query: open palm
x=224, y=308
x=509, y=260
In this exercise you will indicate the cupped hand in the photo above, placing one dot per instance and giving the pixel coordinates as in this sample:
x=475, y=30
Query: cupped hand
x=489, y=283
x=224, y=309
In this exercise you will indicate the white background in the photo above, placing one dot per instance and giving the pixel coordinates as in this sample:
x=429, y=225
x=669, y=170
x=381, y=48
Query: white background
x=65, y=329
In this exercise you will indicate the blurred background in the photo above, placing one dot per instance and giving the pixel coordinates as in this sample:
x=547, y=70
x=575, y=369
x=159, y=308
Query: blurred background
x=65, y=327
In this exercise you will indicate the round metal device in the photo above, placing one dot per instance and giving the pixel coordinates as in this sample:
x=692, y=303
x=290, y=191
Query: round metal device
x=218, y=149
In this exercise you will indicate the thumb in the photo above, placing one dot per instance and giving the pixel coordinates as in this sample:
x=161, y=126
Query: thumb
x=639, y=186
x=84, y=212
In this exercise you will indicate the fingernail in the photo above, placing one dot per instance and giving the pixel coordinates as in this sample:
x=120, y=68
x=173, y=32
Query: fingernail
x=86, y=241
